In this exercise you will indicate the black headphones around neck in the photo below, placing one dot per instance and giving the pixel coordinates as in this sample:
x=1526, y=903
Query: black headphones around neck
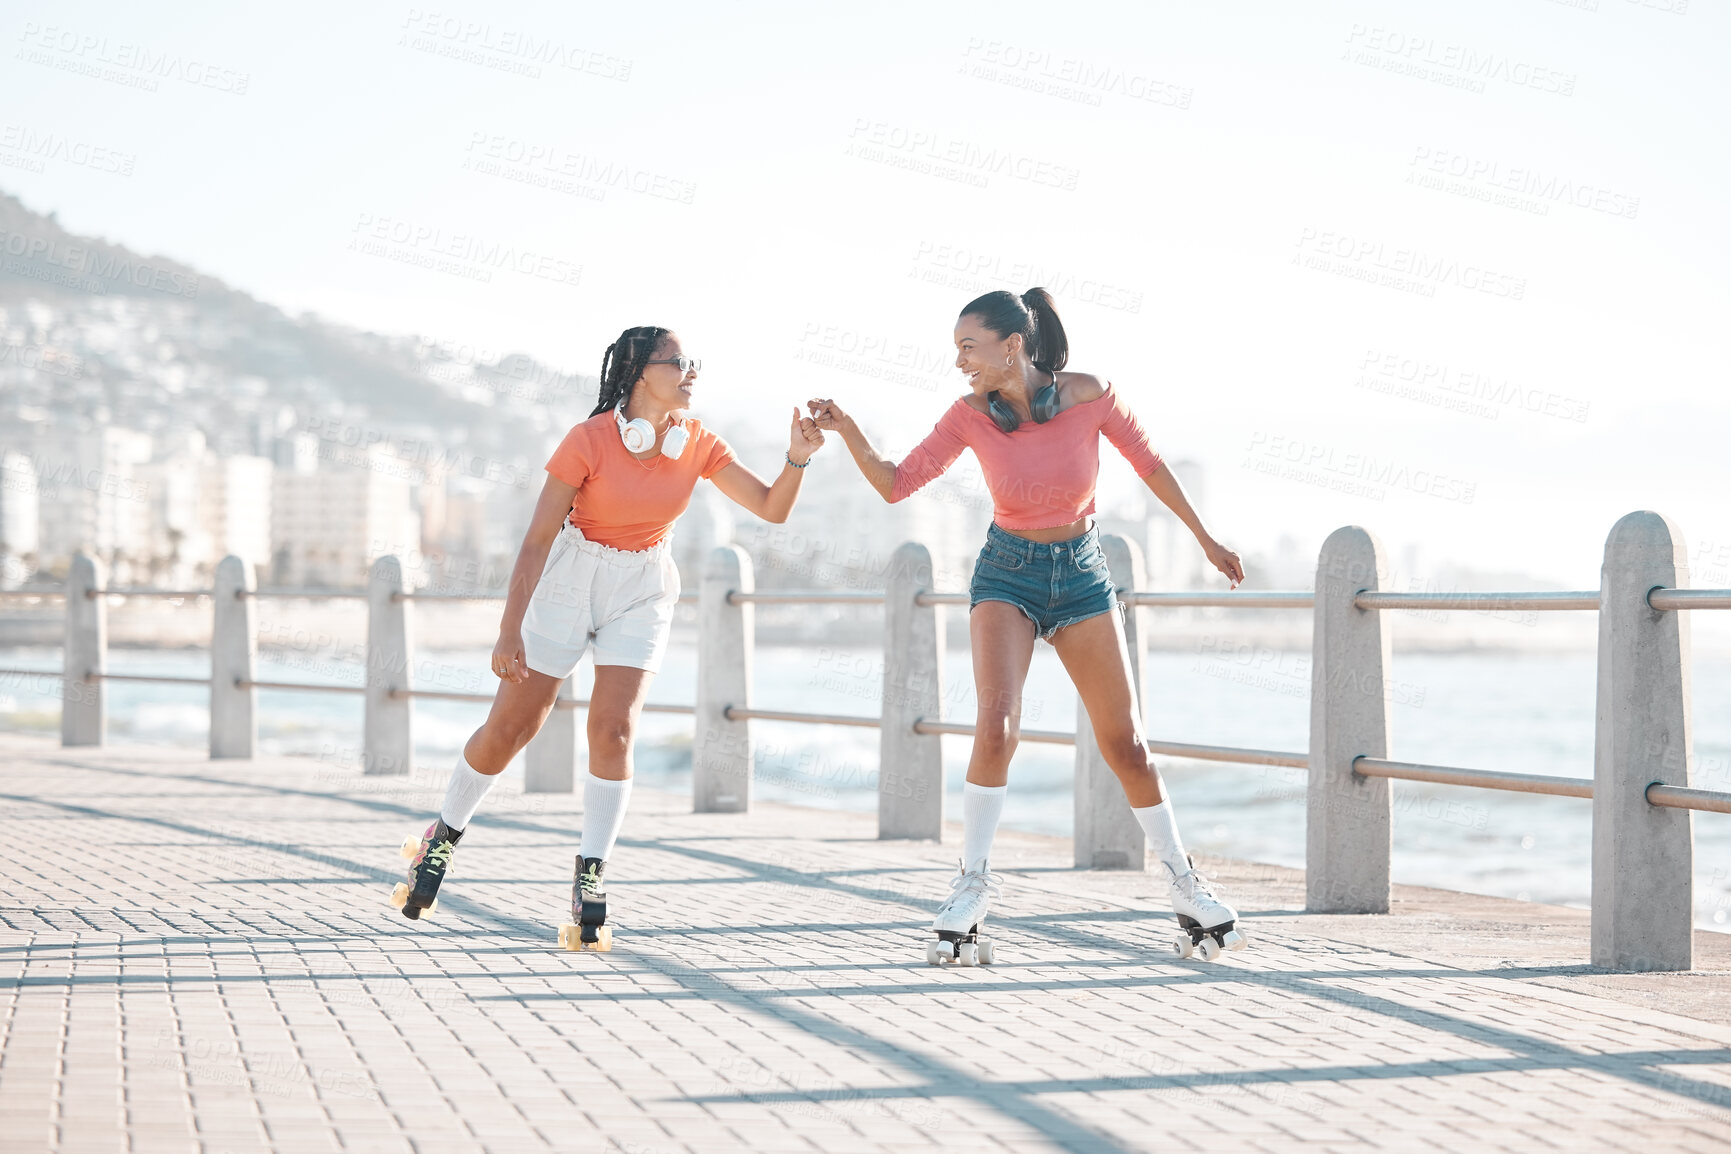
x=1044, y=407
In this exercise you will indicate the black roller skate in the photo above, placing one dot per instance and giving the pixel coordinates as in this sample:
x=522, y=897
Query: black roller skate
x=430, y=860
x=588, y=928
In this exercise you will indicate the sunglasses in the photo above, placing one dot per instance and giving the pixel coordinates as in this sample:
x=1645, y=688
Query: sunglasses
x=686, y=364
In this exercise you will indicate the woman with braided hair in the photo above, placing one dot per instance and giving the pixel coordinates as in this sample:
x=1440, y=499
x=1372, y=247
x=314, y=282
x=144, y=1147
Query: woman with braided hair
x=596, y=571
x=1042, y=576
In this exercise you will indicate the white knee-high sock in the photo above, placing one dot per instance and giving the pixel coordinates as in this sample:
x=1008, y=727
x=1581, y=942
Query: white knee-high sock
x=982, y=806
x=1162, y=830
x=604, y=803
x=463, y=796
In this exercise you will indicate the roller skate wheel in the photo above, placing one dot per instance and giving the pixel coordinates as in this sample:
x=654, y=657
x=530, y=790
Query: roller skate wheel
x=400, y=895
x=603, y=942
x=1210, y=949
x=431, y=909
x=411, y=846
x=937, y=953
x=987, y=953
x=569, y=937
x=969, y=954
x=1234, y=940
x=1182, y=945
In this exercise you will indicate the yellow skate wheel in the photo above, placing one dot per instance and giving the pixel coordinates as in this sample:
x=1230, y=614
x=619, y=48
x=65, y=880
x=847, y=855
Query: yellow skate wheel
x=400, y=895
x=603, y=942
x=568, y=937
x=411, y=847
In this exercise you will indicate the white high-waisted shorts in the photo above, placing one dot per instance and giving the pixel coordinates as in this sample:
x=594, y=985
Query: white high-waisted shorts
x=621, y=602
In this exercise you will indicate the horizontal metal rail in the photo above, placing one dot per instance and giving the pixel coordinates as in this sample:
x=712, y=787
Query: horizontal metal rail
x=312, y=591
x=438, y=695
x=1681, y=797
x=1229, y=753
x=806, y=597
x=1484, y=602
x=1043, y=736
x=1223, y=599
x=957, y=728
x=1585, y=599
x=245, y=683
x=741, y=713
x=1689, y=598
x=145, y=591
x=561, y=703
x=165, y=680
x=1476, y=778
x=478, y=596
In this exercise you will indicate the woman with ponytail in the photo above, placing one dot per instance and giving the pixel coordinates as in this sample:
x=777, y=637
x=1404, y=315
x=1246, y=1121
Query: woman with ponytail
x=1042, y=576
x=596, y=572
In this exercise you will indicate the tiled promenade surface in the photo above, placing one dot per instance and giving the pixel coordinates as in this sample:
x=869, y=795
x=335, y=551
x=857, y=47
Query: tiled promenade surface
x=198, y=955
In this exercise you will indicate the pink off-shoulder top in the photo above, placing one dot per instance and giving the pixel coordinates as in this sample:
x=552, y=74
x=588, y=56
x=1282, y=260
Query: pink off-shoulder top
x=1040, y=476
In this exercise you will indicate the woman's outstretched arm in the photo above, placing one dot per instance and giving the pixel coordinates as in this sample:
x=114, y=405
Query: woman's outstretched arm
x=892, y=481
x=773, y=502
x=1165, y=486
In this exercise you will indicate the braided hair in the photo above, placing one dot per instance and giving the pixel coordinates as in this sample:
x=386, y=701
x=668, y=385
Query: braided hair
x=623, y=363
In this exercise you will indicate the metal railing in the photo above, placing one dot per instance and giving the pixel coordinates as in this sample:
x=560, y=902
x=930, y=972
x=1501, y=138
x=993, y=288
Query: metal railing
x=1642, y=757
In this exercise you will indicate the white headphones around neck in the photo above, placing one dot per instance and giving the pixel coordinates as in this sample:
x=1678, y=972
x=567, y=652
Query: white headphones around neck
x=639, y=435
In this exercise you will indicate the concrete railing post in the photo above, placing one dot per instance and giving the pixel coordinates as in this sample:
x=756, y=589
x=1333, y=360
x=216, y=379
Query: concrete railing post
x=1643, y=856
x=911, y=765
x=721, y=755
x=550, y=759
x=1349, y=819
x=83, y=710
x=233, y=656
x=1107, y=835
x=387, y=744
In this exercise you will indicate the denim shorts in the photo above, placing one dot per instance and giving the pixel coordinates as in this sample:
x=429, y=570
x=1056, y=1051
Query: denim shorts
x=1054, y=585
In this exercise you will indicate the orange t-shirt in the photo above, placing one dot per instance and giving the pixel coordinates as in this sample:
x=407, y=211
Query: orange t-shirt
x=623, y=502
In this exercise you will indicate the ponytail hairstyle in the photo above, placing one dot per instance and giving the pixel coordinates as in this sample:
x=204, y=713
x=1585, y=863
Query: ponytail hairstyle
x=1034, y=315
x=624, y=362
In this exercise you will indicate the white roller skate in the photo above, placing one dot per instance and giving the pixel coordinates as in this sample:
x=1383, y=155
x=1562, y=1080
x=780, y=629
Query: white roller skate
x=961, y=916
x=1208, y=924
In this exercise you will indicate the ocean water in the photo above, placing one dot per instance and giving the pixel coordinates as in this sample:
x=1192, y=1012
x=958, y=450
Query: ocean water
x=1528, y=713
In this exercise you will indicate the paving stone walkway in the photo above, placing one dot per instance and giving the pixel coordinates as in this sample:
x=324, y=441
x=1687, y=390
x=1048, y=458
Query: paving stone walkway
x=199, y=956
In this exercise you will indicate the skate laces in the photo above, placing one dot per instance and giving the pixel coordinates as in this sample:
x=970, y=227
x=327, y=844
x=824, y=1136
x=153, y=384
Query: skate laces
x=591, y=879
x=439, y=855
x=1193, y=885
x=966, y=885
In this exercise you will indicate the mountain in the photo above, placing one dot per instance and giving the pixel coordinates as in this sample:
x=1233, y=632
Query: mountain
x=148, y=331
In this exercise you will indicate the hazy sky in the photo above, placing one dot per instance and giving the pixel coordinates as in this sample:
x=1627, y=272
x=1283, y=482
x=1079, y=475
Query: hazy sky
x=1454, y=271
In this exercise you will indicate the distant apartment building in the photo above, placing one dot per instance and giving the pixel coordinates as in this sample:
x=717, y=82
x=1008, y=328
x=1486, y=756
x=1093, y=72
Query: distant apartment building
x=20, y=519
x=93, y=498
x=203, y=507
x=328, y=524
x=236, y=497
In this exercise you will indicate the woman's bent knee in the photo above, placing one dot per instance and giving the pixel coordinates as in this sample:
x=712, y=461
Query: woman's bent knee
x=996, y=734
x=614, y=732
x=1126, y=754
